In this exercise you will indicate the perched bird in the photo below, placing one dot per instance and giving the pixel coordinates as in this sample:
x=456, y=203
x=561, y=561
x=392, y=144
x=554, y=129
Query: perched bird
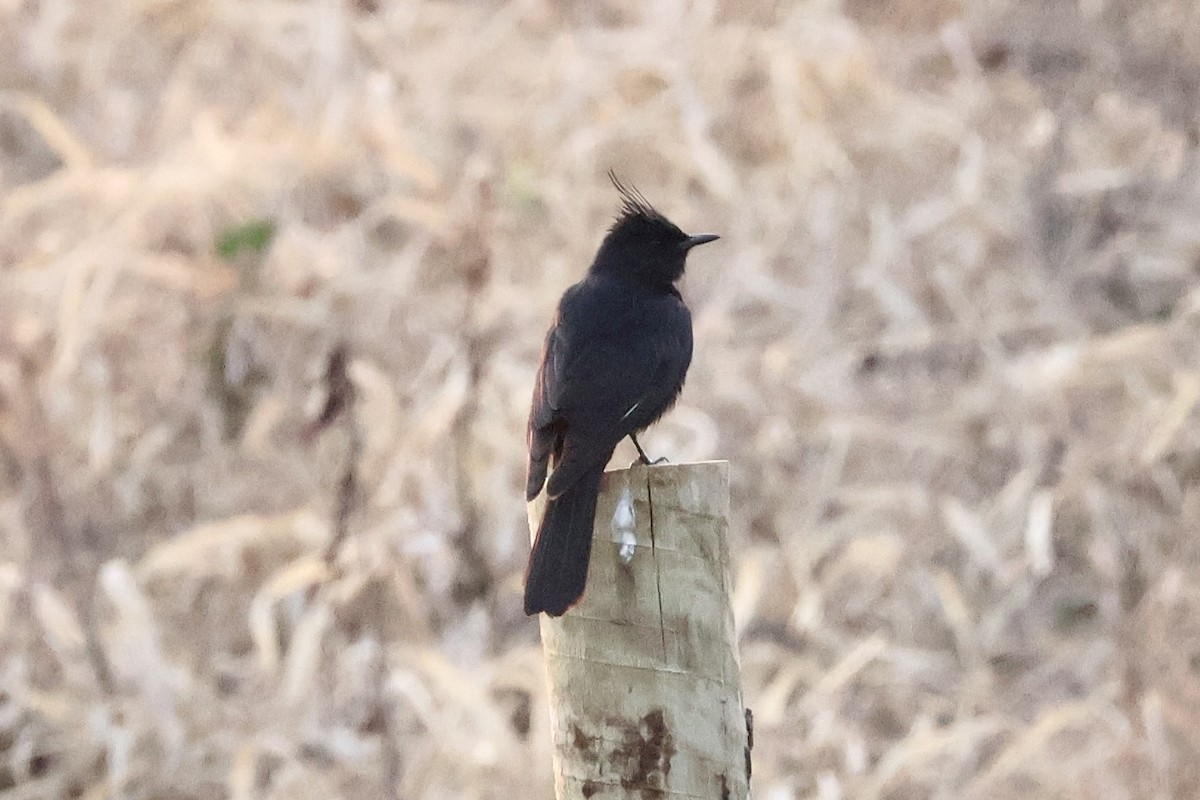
x=614, y=361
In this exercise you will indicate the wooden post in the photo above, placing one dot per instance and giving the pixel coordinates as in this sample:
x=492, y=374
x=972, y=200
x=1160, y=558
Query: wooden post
x=645, y=691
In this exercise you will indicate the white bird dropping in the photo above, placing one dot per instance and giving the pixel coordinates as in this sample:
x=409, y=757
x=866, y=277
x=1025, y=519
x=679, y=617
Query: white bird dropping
x=624, y=525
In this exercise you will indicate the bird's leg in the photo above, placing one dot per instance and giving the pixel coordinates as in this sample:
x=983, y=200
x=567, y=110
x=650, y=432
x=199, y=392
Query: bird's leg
x=642, y=453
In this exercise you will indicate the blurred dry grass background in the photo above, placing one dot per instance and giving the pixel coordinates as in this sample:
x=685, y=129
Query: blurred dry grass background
x=950, y=343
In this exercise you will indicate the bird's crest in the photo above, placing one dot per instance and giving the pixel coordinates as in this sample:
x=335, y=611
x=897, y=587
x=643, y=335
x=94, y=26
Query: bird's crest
x=634, y=204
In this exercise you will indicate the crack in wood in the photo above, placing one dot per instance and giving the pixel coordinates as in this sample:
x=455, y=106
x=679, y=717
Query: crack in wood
x=662, y=630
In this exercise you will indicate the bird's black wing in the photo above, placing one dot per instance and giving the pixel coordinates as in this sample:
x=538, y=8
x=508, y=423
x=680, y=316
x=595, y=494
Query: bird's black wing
x=545, y=426
x=610, y=367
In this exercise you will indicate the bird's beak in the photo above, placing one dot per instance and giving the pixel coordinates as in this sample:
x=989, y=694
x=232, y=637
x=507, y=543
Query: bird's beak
x=701, y=238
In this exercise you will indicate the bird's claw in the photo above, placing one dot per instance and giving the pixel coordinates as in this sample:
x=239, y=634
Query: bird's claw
x=642, y=461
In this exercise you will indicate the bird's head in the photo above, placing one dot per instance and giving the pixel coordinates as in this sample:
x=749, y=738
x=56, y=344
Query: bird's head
x=642, y=244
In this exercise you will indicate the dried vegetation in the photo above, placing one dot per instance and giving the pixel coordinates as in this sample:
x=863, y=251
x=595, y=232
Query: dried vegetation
x=949, y=341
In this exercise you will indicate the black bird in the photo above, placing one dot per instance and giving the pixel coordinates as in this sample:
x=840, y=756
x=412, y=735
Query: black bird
x=614, y=361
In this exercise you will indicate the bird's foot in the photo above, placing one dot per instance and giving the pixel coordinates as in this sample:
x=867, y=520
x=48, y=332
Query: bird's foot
x=643, y=459
x=644, y=462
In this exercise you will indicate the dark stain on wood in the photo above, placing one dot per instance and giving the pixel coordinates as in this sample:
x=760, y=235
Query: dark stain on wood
x=643, y=757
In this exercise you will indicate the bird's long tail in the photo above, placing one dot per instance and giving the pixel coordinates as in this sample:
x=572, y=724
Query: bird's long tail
x=558, y=565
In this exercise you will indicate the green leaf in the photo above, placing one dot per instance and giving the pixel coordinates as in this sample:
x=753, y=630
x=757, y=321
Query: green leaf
x=254, y=237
